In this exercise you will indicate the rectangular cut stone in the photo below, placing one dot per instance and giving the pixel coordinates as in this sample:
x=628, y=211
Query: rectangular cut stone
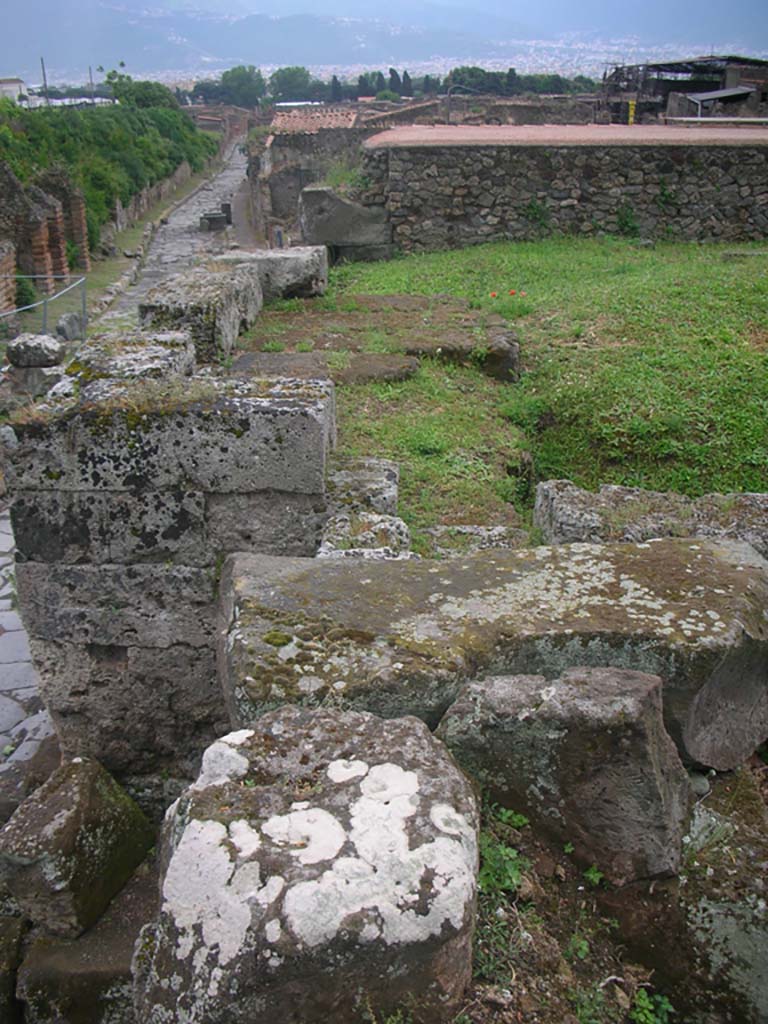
x=212, y=304
x=151, y=605
x=285, y=273
x=116, y=527
x=119, y=354
x=135, y=709
x=197, y=433
x=265, y=521
x=400, y=638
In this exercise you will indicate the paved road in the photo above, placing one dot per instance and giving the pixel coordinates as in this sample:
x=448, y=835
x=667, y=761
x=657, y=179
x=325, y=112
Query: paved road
x=565, y=135
x=180, y=242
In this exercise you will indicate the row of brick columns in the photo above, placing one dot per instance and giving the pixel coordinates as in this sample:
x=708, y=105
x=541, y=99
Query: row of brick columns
x=7, y=271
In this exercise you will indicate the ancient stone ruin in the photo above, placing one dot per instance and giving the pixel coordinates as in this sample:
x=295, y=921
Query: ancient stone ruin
x=248, y=668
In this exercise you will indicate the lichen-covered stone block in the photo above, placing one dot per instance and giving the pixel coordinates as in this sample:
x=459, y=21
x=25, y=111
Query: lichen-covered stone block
x=137, y=709
x=268, y=521
x=146, y=354
x=154, y=605
x=211, y=304
x=566, y=513
x=402, y=638
x=359, y=484
x=316, y=845
x=198, y=433
x=586, y=757
x=71, y=846
x=299, y=272
x=121, y=527
x=361, y=534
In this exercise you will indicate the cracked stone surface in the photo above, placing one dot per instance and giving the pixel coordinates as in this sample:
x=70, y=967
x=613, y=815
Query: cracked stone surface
x=318, y=844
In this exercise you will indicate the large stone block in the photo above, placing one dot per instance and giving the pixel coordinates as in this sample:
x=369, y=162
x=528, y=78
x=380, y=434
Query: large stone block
x=137, y=709
x=322, y=867
x=35, y=350
x=199, y=433
x=88, y=980
x=147, y=354
x=301, y=272
x=586, y=757
x=117, y=527
x=328, y=219
x=359, y=484
x=268, y=521
x=211, y=304
x=71, y=846
x=146, y=605
x=566, y=513
x=402, y=638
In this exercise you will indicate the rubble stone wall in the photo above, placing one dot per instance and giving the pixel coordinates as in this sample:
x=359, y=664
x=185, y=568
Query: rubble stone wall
x=452, y=196
x=56, y=182
x=34, y=221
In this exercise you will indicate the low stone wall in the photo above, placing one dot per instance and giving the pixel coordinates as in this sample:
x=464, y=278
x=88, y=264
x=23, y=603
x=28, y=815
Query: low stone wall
x=450, y=196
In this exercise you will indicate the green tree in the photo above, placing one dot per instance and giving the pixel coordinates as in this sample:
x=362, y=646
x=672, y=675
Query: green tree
x=387, y=94
x=336, y=93
x=407, y=85
x=395, y=83
x=379, y=83
x=292, y=83
x=242, y=86
x=139, y=94
x=511, y=85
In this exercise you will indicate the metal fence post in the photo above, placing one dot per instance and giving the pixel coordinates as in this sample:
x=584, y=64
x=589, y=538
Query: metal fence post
x=84, y=312
x=45, y=315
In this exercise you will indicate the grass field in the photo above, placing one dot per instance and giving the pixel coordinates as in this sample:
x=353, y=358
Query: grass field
x=644, y=365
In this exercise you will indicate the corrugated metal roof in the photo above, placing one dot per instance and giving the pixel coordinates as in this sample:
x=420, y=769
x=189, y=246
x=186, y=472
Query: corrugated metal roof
x=289, y=122
x=721, y=94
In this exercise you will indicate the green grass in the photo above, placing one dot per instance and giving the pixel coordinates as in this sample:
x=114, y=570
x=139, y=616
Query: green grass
x=644, y=366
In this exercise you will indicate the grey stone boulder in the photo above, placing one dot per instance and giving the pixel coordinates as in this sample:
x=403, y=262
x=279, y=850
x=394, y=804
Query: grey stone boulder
x=585, y=757
x=403, y=638
x=329, y=219
x=71, y=846
x=300, y=272
x=566, y=513
x=69, y=326
x=35, y=350
x=321, y=867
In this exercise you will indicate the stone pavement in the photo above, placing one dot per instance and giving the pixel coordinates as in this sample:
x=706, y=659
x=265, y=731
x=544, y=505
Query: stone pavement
x=178, y=243
x=24, y=723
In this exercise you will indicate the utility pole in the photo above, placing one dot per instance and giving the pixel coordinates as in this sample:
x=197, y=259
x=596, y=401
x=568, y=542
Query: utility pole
x=45, y=84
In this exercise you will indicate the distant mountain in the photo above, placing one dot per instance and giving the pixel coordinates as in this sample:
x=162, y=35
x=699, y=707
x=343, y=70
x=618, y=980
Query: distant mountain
x=190, y=34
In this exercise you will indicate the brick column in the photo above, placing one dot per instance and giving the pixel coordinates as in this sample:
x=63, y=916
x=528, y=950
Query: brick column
x=7, y=272
x=39, y=246
x=57, y=244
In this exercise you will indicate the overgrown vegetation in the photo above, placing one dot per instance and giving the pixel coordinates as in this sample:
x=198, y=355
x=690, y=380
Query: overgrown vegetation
x=112, y=152
x=643, y=366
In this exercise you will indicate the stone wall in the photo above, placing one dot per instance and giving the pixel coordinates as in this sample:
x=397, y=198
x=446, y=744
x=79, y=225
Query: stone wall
x=56, y=182
x=452, y=196
x=289, y=162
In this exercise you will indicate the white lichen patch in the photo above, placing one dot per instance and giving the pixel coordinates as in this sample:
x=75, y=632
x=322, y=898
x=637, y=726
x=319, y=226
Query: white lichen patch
x=222, y=762
x=313, y=834
x=343, y=771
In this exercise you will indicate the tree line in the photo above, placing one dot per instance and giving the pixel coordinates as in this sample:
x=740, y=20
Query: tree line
x=246, y=86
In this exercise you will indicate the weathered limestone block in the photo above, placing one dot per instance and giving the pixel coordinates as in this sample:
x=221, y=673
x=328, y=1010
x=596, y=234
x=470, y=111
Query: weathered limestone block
x=118, y=527
x=199, y=433
x=457, y=541
x=585, y=757
x=35, y=350
x=360, y=533
x=328, y=219
x=322, y=866
x=88, y=980
x=358, y=484
x=566, y=513
x=151, y=605
x=403, y=638
x=265, y=521
x=211, y=306
x=705, y=934
x=71, y=846
x=139, y=354
x=497, y=355
x=299, y=272
x=135, y=708
x=69, y=326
